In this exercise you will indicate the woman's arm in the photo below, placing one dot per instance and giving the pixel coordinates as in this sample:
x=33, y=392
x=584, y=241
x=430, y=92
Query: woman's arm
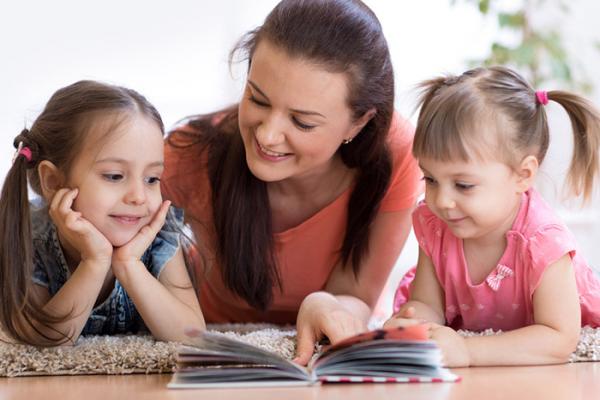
x=344, y=307
x=550, y=340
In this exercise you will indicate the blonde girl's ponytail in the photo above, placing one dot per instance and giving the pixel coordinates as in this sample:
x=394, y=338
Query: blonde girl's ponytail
x=585, y=161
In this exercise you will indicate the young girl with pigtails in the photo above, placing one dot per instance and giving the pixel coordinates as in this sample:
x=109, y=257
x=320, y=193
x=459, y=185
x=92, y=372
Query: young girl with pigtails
x=91, y=255
x=492, y=253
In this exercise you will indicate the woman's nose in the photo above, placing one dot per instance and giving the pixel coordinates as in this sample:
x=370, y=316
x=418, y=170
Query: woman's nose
x=271, y=131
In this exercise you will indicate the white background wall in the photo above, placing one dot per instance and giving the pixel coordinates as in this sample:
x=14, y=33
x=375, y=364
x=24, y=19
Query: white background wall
x=175, y=53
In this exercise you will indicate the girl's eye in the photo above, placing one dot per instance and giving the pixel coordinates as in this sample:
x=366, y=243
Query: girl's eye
x=113, y=177
x=428, y=180
x=302, y=126
x=464, y=186
x=258, y=102
x=152, y=180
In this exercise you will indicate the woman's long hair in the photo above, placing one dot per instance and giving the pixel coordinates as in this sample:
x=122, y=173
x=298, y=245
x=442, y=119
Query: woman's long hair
x=342, y=36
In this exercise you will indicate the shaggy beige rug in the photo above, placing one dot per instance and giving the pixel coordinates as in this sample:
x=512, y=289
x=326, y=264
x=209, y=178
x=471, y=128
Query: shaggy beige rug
x=141, y=354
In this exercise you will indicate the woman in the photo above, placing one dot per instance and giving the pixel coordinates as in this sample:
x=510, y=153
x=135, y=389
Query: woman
x=300, y=196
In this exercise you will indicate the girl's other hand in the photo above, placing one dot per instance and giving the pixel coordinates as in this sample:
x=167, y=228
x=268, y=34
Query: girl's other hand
x=453, y=346
x=404, y=318
x=132, y=251
x=79, y=233
x=321, y=315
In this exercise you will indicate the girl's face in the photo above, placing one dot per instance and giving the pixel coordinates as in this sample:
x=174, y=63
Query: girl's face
x=293, y=116
x=475, y=199
x=119, y=179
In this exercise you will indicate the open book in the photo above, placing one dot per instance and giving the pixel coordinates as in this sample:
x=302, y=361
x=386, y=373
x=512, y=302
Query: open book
x=385, y=355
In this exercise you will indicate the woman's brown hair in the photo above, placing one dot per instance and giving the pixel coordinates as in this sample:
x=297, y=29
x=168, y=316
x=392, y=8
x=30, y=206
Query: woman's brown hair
x=341, y=36
x=57, y=135
x=494, y=111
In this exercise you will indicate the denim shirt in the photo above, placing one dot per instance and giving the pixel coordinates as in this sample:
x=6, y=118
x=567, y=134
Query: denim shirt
x=117, y=314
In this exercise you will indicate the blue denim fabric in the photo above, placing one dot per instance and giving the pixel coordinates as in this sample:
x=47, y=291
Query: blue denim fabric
x=117, y=314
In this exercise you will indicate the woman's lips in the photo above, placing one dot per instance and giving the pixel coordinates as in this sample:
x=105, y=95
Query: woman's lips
x=271, y=155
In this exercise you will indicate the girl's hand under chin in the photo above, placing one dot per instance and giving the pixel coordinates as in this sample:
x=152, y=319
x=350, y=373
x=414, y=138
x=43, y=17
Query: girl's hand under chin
x=132, y=251
x=79, y=233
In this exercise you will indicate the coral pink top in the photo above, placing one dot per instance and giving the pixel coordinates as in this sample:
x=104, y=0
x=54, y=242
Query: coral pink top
x=305, y=254
x=504, y=300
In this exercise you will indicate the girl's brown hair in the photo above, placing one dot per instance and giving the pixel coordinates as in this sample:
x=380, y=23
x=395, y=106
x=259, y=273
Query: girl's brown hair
x=341, y=36
x=496, y=107
x=57, y=135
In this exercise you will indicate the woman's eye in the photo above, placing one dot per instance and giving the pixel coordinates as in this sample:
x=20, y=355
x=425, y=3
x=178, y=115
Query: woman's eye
x=113, y=177
x=302, y=126
x=152, y=180
x=258, y=102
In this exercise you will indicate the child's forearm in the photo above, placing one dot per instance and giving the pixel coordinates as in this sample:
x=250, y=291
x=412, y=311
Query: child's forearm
x=423, y=311
x=76, y=299
x=531, y=345
x=165, y=315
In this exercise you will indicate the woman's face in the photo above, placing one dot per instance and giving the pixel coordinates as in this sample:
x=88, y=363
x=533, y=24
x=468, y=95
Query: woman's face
x=293, y=116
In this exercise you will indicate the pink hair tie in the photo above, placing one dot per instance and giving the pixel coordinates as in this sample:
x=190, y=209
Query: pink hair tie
x=24, y=151
x=542, y=97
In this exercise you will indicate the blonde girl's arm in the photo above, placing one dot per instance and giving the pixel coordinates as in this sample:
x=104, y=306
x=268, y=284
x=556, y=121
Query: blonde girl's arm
x=550, y=340
x=426, y=303
x=554, y=335
x=168, y=304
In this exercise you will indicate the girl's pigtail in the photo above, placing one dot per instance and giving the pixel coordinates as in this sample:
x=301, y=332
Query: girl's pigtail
x=585, y=162
x=16, y=258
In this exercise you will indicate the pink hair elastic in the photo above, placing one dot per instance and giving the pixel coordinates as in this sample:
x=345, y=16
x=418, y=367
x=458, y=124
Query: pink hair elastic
x=24, y=151
x=542, y=97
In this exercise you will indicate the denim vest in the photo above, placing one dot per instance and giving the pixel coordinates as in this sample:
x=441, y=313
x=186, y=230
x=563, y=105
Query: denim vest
x=116, y=314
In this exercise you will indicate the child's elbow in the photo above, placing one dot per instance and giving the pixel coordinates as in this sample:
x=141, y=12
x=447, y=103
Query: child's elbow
x=565, y=346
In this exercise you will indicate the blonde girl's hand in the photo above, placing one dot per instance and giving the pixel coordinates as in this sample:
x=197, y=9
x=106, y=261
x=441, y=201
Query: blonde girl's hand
x=454, y=347
x=81, y=234
x=132, y=251
x=321, y=315
x=405, y=317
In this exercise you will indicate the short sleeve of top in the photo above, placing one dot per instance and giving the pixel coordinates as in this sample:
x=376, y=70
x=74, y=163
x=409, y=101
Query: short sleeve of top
x=546, y=246
x=427, y=229
x=117, y=313
x=405, y=185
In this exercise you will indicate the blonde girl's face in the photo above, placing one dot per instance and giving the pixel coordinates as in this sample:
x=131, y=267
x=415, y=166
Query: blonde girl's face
x=119, y=178
x=475, y=199
x=293, y=116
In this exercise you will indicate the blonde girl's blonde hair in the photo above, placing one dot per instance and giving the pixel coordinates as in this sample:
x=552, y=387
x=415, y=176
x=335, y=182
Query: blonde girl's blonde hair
x=494, y=112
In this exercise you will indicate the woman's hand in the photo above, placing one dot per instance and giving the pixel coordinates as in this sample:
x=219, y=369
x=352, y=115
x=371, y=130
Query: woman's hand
x=454, y=347
x=76, y=230
x=132, y=251
x=321, y=314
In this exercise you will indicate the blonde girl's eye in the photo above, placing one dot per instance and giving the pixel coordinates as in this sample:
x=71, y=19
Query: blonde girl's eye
x=428, y=180
x=464, y=186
